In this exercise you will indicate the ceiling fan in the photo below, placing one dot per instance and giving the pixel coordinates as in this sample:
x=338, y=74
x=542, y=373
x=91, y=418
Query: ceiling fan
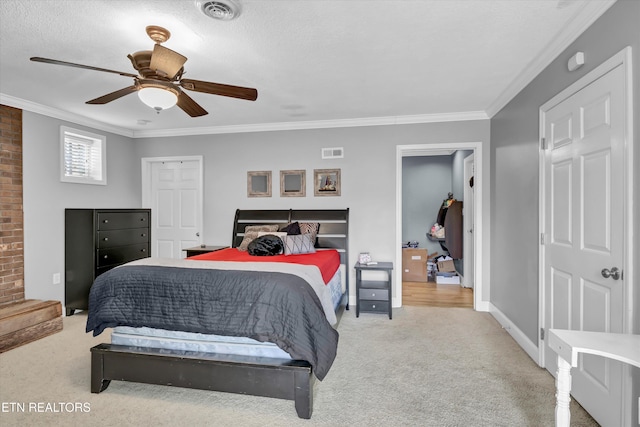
x=159, y=81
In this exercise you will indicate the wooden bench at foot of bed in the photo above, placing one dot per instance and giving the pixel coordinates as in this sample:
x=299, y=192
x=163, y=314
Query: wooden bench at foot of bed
x=258, y=376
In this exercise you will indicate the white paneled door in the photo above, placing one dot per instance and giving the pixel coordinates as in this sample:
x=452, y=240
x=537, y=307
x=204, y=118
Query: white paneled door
x=175, y=198
x=584, y=240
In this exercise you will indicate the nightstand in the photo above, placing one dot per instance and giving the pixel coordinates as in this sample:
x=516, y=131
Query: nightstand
x=198, y=250
x=373, y=296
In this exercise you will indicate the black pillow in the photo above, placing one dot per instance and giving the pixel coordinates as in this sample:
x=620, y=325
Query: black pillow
x=292, y=229
x=266, y=245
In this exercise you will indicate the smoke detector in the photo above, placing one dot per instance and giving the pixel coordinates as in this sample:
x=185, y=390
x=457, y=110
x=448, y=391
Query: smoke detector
x=224, y=10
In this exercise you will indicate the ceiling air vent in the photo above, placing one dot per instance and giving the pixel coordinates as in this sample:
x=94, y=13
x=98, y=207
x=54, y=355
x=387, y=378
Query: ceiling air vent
x=224, y=10
x=333, y=153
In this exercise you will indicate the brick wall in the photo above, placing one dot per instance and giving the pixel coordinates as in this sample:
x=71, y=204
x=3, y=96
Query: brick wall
x=11, y=218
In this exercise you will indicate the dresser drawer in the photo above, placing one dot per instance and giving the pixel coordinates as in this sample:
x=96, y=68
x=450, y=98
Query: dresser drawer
x=111, y=238
x=374, y=294
x=375, y=306
x=118, y=220
x=121, y=254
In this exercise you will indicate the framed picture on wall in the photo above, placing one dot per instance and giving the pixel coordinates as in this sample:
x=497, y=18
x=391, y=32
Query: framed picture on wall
x=293, y=183
x=259, y=184
x=326, y=182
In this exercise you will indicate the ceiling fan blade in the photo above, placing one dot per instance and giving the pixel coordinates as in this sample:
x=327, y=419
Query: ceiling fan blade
x=220, y=89
x=189, y=106
x=86, y=67
x=113, y=95
x=166, y=62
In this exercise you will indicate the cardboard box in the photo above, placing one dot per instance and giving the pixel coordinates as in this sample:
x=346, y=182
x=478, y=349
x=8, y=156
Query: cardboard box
x=414, y=265
x=446, y=266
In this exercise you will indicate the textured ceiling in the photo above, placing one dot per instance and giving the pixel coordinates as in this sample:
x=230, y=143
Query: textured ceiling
x=315, y=63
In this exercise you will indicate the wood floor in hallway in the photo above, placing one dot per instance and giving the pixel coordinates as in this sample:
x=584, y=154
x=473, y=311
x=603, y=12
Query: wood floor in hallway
x=434, y=295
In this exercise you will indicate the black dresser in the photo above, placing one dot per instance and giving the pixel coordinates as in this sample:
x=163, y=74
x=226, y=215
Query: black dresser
x=96, y=240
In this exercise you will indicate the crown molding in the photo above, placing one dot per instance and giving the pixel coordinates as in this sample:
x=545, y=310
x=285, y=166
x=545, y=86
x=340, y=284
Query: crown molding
x=316, y=124
x=55, y=113
x=584, y=17
x=258, y=127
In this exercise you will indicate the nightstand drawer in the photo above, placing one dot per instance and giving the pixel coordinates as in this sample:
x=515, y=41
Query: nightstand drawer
x=374, y=294
x=376, y=306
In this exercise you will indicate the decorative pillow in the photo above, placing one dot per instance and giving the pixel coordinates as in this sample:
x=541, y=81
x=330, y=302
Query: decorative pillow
x=291, y=228
x=298, y=244
x=251, y=232
x=266, y=245
x=310, y=228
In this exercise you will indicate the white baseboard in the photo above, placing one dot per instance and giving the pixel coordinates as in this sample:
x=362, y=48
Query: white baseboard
x=483, y=306
x=523, y=341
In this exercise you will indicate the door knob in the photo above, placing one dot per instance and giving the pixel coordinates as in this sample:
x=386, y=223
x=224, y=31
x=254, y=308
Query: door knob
x=198, y=234
x=614, y=273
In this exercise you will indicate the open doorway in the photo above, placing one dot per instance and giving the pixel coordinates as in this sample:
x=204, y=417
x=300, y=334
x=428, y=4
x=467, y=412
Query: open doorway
x=444, y=149
x=433, y=212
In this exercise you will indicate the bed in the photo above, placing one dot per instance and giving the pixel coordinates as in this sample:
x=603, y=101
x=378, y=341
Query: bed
x=259, y=367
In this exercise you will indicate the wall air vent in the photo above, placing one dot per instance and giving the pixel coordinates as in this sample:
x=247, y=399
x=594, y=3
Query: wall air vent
x=333, y=153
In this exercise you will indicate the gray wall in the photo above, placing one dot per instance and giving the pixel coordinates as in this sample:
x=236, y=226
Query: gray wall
x=45, y=197
x=425, y=184
x=514, y=179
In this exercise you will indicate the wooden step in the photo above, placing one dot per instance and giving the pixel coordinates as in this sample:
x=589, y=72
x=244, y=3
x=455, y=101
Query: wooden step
x=28, y=320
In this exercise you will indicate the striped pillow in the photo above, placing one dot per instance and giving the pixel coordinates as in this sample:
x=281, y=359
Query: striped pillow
x=298, y=244
x=310, y=228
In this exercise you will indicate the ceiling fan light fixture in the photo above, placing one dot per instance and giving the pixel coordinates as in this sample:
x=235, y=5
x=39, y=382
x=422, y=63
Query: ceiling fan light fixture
x=158, y=98
x=224, y=10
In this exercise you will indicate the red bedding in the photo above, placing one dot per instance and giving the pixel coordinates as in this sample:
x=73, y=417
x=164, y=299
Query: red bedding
x=328, y=261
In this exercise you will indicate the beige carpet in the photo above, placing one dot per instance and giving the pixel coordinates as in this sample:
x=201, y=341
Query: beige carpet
x=426, y=367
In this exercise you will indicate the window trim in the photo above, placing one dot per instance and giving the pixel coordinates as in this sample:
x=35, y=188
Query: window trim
x=102, y=180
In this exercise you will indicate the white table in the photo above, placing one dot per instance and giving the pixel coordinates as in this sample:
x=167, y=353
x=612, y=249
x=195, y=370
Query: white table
x=568, y=344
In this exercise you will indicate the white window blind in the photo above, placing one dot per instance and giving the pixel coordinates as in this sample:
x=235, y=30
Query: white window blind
x=82, y=157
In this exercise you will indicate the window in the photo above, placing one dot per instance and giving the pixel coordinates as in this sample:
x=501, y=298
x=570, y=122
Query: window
x=83, y=157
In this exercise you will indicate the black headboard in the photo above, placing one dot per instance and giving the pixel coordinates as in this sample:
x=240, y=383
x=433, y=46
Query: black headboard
x=332, y=234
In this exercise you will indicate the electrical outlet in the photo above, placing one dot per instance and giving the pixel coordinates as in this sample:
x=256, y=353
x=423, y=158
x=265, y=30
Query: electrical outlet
x=56, y=278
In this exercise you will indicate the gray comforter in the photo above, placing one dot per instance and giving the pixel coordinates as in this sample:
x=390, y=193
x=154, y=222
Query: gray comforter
x=267, y=306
